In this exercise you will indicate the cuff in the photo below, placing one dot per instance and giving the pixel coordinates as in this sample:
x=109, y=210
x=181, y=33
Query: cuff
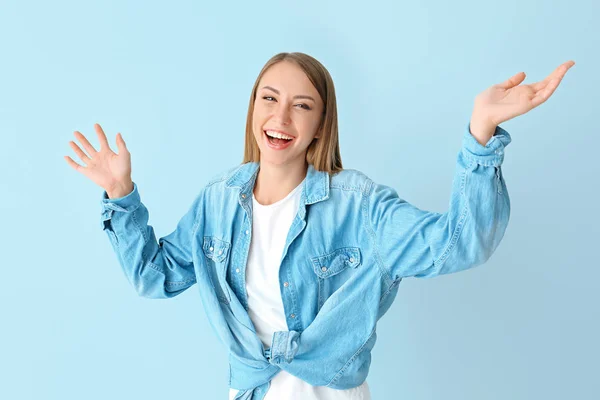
x=126, y=203
x=492, y=154
x=284, y=346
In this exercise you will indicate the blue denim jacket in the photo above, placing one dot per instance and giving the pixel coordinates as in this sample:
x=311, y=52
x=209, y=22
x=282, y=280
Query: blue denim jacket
x=348, y=248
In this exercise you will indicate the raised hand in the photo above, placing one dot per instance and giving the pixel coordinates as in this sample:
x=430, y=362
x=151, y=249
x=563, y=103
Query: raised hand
x=508, y=99
x=109, y=170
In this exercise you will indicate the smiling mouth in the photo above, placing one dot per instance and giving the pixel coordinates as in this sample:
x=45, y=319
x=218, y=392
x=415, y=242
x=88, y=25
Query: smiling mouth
x=276, y=141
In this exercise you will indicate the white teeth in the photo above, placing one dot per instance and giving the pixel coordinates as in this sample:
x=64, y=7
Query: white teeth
x=277, y=135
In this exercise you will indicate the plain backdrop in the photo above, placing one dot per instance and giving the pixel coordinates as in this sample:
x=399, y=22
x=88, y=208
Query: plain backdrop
x=175, y=78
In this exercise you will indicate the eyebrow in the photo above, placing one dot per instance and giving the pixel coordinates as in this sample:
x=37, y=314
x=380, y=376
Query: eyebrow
x=298, y=96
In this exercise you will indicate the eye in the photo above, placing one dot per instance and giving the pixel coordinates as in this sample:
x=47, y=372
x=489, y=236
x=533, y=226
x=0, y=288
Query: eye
x=303, y=105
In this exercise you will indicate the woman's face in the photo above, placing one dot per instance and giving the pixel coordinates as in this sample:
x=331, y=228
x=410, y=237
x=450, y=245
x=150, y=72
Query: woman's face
x=287, y=102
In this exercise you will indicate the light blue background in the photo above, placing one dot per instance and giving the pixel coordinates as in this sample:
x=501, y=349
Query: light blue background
x=175, y=79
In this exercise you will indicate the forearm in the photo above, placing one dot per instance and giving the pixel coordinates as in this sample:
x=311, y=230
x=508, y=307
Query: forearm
x=160, y=269
x=424, y=244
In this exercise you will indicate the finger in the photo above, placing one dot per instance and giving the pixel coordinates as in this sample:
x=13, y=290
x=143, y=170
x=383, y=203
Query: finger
x=559, y=72
x=538, y=86
x=512, y=81
x=101, y=137
x=88, y=147
x=73, y=164
x=544, y=94
x=121, y=144
x=84, y=157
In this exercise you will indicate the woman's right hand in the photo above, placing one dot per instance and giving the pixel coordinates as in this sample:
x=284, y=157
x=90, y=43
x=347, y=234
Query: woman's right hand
x=109, y=170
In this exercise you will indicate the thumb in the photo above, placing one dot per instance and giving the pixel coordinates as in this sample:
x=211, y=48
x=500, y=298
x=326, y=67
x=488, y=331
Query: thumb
x=512, y=81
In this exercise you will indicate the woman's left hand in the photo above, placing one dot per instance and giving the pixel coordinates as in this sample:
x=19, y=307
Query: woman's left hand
x=506, y=100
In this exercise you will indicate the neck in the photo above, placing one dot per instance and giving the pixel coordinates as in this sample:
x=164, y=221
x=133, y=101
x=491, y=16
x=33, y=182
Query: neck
x=274, y=182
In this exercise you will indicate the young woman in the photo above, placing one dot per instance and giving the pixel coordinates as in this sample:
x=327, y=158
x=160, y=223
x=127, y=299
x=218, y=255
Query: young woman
x=296, y=258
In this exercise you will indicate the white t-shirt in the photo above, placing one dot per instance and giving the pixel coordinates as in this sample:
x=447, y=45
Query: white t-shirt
x=270, y=226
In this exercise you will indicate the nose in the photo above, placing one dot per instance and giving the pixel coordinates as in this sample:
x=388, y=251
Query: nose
x=282, y=114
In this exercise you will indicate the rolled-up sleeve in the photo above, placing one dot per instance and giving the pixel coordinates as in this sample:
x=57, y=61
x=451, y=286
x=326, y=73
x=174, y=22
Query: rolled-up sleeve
x=411, y=242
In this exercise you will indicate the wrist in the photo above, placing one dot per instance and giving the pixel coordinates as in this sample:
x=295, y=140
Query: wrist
x=120, y=190
x=481, y=129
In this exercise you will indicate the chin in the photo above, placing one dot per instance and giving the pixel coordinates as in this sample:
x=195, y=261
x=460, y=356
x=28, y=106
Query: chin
x=274, y=160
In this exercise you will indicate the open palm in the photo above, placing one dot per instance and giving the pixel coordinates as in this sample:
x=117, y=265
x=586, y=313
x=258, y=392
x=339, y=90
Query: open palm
x=106, y=168
x=507, y=100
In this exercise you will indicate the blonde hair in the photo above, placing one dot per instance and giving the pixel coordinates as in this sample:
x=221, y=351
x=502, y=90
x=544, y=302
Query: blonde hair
x=324, y=152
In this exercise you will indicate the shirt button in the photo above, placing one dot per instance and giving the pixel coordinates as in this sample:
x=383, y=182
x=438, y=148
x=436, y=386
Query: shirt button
x=247, y=231
x=237, y=270
x=323, y=269
x=211, y=249
x=351, y=259
x=243, y=196
x=220, y=251
x=286, y=284
x=293, y=315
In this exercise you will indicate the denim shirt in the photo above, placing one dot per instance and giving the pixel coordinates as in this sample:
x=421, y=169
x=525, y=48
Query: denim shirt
x=350, y=245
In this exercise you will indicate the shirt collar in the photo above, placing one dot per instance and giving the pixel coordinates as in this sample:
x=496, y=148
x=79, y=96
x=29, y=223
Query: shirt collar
x=316, y=183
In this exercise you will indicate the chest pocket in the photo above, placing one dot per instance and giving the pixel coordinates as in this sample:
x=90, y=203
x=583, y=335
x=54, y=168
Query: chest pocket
x=216, y=251
x=334, y=268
